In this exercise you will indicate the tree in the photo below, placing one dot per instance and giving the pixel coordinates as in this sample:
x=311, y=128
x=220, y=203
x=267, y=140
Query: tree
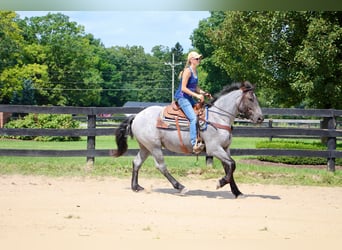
x=12, y=79
x=215, y=77
x=70, y=56
x=10, y=40
x=138, y=76
x=294, y=57
x=161, y=52
x=318, y=79
x=177, y=51
x=26, y=96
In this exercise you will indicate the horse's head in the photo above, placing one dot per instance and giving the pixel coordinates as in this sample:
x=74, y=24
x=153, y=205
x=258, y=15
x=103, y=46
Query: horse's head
x=249, y=105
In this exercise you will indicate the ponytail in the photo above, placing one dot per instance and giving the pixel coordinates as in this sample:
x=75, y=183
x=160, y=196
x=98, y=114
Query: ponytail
x=186, y=66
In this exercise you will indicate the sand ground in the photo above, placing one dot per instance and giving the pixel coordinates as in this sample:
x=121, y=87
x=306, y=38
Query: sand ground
x=103, y=213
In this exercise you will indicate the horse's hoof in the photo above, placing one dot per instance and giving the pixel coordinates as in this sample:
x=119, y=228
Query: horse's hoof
x=239, y=196
x=221, y=183
x=137, y=188
x=218, y=185
x=183, y=191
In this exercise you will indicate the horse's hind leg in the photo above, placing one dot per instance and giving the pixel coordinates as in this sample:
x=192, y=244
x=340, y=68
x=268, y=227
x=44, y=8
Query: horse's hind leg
x=160, y=164
x=137, y=162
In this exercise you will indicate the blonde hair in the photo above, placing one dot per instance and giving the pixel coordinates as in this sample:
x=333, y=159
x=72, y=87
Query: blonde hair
x=187, y=64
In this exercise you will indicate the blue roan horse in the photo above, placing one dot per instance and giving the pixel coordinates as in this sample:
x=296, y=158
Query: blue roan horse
x=239, y=98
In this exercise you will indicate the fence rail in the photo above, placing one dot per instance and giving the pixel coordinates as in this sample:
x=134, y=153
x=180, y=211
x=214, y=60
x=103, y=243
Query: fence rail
x=331, y=116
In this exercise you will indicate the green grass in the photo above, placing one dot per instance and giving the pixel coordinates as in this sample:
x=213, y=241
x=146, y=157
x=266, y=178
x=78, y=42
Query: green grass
x=180, y=167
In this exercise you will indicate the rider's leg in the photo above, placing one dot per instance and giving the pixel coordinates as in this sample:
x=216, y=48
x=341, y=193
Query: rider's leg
x=188, y=110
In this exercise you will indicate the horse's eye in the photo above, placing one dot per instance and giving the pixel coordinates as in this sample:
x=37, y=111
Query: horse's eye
x=251, y=97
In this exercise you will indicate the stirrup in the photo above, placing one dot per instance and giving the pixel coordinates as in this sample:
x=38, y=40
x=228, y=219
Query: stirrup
x=198, y=147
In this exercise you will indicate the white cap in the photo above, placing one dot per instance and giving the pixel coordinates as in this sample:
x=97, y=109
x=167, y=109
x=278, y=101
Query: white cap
x=194, y=54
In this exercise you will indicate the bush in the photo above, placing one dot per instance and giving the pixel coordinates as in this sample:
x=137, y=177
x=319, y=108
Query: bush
x=46, y=121
x=294, y=160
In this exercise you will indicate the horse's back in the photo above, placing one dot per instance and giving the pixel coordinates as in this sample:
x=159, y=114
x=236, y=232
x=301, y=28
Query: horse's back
x=144, y=123
x=149, y=113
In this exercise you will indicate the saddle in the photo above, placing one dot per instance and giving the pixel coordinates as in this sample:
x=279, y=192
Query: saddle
x=173, y=114
x=173, y=117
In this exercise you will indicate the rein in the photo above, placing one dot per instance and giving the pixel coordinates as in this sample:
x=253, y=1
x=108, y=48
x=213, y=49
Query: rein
x=218, y=125
x=226, y=113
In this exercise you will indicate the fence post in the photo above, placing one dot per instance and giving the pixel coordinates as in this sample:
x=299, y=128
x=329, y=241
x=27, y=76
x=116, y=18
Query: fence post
x=91, y=141
x=270, y=125
x=209, y=160
x=331, y=145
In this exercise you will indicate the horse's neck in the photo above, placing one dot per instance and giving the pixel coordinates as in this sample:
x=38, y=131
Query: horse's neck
x=229, y=105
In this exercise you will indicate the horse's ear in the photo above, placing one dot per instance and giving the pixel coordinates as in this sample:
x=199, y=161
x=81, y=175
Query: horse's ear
x=248, y=85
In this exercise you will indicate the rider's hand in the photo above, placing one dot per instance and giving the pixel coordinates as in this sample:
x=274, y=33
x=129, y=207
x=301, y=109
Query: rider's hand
x=200, y=97
x=206, y=94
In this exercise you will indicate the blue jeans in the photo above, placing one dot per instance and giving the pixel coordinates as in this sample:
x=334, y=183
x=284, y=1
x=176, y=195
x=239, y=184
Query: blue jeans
x=188, y=110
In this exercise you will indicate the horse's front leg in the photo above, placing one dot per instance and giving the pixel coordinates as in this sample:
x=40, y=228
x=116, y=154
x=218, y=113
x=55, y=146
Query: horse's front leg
x=229, y=166
x=228, y=169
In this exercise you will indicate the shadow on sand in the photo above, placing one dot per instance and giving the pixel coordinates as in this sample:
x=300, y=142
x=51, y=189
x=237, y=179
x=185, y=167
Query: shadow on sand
x=214, y=194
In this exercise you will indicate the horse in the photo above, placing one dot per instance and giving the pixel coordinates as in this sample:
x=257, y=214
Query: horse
x=233, y=100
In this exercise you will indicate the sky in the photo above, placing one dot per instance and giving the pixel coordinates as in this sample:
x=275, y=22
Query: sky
x=141, y=28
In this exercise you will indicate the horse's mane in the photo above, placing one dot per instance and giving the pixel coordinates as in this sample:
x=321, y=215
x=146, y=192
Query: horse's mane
x=229, y=88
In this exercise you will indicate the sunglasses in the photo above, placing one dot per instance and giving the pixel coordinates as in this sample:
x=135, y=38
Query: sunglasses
x=197, y=59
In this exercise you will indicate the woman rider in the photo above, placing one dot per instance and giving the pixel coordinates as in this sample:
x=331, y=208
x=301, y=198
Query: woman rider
x=188, y=89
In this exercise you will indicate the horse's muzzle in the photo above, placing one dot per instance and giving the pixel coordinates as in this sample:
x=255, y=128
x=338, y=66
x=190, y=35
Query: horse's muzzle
x=260, y=119
x=257, y=119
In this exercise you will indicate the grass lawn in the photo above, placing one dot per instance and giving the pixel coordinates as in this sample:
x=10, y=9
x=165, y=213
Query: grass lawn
x=179, y=166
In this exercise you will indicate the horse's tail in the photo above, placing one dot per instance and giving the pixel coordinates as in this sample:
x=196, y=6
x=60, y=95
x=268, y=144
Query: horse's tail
x=121, y=135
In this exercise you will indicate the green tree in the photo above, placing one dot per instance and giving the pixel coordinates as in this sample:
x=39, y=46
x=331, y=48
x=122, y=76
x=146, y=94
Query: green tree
x=294, y=57
x=139, y=76
x=10, y=40
x=26, y=96
x=215, y=76
x=161, y=52
x=12, y=79
x=179, y=57
x=70, y=55
x=318, y=80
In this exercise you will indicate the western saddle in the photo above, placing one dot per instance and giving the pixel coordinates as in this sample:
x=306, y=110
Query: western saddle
x=173, y=117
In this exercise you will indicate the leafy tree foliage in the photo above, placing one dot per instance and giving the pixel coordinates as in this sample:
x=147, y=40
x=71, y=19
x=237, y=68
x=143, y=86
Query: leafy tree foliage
x=10, y=40
x=69, y=56
x=179, y=57
x=294, y=57
x=26, y=96
x=318, y=80
x=216, y=77
x=12, y=79
x=137, y=76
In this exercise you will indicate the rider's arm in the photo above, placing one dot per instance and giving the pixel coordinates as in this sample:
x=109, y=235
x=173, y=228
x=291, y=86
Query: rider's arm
x=185, y=79
x=202, y=92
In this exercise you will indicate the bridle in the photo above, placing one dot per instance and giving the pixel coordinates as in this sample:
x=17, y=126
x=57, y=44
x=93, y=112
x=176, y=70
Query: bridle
x=228, y=114
x=245, y=90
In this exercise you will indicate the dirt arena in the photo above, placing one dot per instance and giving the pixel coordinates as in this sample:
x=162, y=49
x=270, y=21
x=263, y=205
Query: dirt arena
x=103, y=213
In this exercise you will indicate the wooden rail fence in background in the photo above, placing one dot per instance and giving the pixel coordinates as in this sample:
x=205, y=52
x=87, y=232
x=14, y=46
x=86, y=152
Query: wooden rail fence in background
x=331, y=116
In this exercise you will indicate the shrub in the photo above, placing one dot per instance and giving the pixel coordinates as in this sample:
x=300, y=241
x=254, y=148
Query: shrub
x=295, y=160
x=47, y=121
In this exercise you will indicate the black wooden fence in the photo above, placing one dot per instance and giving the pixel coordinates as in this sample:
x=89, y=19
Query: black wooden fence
x=331, y=116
